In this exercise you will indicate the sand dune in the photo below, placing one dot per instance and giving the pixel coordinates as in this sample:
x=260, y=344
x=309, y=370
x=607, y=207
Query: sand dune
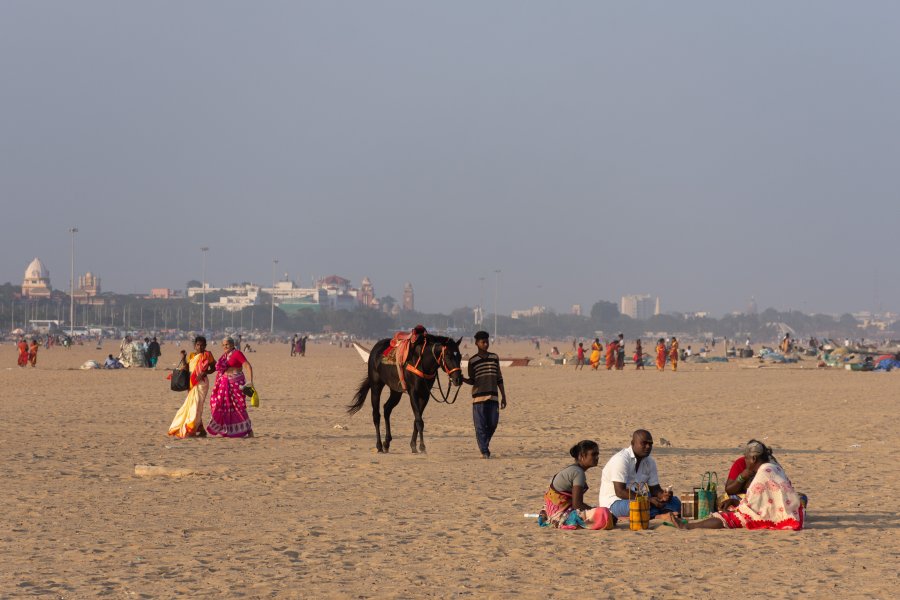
x=305, y=509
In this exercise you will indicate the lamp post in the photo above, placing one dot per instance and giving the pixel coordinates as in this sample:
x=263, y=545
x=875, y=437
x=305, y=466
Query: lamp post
x=73, y=231
x=203, y=250
x=496, y=293
x=272, y=322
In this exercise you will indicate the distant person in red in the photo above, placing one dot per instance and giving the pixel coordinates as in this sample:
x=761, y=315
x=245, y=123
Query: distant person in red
x=611, y=350
x=638, y=355
x=22, y=347
x=579, y=361
x=661, y=352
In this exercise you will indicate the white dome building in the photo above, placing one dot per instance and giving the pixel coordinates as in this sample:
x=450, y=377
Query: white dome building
x=36, y=283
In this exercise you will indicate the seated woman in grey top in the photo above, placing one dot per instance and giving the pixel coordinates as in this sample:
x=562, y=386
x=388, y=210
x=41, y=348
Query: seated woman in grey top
x=564, y=505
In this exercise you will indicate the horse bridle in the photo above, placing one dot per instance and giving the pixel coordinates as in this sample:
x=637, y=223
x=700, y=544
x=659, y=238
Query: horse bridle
x=441, y=360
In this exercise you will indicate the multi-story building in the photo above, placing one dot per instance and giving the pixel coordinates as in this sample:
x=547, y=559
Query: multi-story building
x=528, y=312
x=638, y=306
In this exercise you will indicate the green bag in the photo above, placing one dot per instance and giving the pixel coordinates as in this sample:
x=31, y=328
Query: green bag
x=707, y=495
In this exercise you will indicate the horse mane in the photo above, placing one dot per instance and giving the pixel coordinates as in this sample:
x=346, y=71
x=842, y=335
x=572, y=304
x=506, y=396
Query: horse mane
x=440, y=339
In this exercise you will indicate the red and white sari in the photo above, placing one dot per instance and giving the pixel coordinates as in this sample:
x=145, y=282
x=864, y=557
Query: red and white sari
x=770, y=503
x=227, y=407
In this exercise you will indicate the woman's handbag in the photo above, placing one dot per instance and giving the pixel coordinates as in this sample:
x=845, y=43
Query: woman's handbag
x=639, y=508
x=707, y=495
x=181, y=380
x=251, y=392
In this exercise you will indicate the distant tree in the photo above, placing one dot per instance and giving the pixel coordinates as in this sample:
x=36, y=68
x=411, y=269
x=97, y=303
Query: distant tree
x=604, y=312
x=848, y=323
x=387, y=302
x=193, y=283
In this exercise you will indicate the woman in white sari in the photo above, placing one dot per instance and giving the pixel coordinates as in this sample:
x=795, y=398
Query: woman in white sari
x=770, y=502
x=188, y=421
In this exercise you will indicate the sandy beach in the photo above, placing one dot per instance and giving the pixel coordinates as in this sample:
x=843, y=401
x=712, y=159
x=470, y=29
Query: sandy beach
x=306, y=509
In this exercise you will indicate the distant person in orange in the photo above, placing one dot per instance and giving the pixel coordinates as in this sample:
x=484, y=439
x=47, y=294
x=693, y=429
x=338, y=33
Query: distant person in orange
x=673, y=354
x=596, y=349
x=611, y=349
x=660, y=355
x=22, y=347
x=638, y=355
x=32, y=352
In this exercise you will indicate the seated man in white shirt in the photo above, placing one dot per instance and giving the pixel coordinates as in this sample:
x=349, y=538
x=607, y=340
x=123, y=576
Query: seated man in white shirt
x=626, y=469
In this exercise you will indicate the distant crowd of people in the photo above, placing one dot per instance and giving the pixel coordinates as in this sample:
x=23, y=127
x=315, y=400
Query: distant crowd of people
x=615, y=354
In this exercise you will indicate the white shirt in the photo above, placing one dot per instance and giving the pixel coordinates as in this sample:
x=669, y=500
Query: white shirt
x=621, y=468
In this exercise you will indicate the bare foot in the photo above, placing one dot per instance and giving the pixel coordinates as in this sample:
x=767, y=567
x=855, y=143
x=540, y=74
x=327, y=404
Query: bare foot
x=675, y=520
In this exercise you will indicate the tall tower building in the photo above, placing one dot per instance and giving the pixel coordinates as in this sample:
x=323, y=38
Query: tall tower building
x=366, y=295
x=89, y=285
x=409, y=297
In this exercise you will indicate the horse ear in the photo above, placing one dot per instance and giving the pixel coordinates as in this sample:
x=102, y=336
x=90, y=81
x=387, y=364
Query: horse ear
x=459, y=341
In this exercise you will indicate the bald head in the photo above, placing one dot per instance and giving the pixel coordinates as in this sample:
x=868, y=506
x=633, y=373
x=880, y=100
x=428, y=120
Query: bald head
x=641, y=443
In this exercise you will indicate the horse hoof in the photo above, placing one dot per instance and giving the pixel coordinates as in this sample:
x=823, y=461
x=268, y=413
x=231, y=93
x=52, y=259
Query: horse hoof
x=414, y=451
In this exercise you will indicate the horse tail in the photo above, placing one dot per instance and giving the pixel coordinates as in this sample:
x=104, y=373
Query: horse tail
x=360, y=397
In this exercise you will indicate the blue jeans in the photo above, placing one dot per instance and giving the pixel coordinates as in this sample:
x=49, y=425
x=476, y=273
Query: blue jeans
x=486, y=416
x=619, y=508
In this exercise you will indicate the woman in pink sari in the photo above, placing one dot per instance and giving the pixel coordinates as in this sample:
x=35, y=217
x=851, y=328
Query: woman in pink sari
x=228, y=410
x=770, y=502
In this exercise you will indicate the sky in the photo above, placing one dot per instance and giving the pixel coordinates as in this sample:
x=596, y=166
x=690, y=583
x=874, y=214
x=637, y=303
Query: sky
x=703, y=152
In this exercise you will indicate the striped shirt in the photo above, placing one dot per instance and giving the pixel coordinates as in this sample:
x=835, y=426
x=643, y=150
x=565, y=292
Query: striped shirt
x=484, y=371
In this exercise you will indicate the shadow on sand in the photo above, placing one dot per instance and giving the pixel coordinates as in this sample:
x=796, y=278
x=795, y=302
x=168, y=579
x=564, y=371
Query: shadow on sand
x=847, y=520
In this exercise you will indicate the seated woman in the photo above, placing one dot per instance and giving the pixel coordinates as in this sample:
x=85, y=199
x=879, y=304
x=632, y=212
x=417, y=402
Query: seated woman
x=770, y=501
x=564, y=506
x=739, y=478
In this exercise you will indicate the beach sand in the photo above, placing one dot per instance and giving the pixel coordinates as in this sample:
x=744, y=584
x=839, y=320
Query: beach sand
x=306, y=509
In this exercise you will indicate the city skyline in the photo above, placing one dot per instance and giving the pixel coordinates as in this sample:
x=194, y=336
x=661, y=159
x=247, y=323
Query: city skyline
x=518, y=306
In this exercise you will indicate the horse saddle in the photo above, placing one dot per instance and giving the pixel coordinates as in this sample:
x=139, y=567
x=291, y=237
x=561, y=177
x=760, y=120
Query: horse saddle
x=389, y=357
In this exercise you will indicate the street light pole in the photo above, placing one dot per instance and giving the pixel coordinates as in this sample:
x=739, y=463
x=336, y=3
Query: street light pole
x=73, y=231
x=272, y=322
x=496, y=293
x=481, y=304
x=203, y=250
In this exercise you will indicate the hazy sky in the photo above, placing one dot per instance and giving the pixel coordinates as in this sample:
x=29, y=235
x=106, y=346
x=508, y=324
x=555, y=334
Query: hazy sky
x=699, y=151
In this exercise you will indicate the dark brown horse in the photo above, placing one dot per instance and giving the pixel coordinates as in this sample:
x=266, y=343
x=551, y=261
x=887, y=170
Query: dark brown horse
x=430, y=354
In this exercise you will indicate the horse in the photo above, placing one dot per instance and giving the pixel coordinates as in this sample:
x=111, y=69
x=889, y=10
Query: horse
x=427, y=356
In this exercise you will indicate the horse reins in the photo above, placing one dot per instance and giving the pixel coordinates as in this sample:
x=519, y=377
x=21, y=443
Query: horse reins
x=442, y=362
